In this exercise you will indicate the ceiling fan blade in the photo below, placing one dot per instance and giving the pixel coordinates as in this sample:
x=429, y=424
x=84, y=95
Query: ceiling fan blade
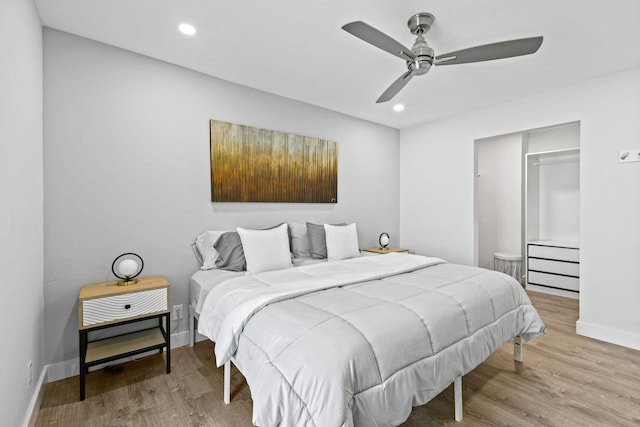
x=489, y=52
x=379, y=39
x=395, y=87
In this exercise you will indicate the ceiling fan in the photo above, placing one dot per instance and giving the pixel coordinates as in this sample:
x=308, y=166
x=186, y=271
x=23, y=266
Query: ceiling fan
x=421, y=57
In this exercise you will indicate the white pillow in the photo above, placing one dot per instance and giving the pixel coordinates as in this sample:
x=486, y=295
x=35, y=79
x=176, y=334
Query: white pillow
x=266, y=250
x=204, y=248
x=342, y=241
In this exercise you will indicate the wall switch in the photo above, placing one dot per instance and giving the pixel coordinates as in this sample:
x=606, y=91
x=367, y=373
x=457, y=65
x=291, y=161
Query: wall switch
x=29, y=374
x=627, y=156
x=177, y=312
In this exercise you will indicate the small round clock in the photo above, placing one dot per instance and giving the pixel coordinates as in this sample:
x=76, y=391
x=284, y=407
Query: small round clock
x=383, y=240
x=129, y=265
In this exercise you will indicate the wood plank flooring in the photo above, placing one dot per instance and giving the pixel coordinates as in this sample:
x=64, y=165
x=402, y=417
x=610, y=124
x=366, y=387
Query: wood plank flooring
x=565, y=380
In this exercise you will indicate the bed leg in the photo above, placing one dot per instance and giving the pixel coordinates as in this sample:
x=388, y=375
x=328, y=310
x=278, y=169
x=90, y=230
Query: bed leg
x=517, y=348
x=227, y=382
x=457, y=393
x=192, y=327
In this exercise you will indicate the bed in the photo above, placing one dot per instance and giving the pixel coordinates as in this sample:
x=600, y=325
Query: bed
x=357, y=341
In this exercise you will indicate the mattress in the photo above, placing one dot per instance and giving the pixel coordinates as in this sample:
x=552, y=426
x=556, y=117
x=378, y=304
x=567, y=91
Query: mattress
x=202, y=281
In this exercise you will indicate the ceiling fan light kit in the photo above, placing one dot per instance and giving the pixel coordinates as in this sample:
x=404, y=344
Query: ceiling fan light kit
x=421, y=56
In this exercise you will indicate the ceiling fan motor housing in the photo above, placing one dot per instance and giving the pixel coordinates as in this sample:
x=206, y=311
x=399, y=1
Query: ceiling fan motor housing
x=424, y=57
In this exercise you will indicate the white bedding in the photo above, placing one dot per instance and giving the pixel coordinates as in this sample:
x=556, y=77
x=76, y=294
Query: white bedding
x=361, y=341
x=202, y=281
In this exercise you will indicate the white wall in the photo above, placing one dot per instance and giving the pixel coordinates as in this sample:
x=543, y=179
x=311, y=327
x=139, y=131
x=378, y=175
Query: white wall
x=436, y=190
x=21, y=215
x=127, y=169
x=498, y=196
x=556, y=138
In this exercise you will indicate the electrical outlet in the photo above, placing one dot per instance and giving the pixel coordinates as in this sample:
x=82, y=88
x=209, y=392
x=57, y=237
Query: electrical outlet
x=177, y=312
x=29, y=373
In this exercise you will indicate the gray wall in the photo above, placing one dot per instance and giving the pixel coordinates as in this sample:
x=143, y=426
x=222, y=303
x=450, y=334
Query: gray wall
x=21, y=216
x=127, y=169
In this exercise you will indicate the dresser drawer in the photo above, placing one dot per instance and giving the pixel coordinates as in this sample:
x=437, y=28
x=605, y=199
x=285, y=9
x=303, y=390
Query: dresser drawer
x=124, y=306
x=558, y=267
x=561, y=282
x=551, y=252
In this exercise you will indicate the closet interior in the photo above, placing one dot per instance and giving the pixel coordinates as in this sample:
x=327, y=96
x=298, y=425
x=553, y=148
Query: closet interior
x=527, y=199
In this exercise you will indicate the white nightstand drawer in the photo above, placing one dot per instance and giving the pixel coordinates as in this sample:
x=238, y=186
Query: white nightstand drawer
x=118, y=307
x=558, y=267
x=550, y=252
x=562, y=282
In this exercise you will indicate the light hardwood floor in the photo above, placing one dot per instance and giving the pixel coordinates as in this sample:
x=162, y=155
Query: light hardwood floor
x=565, y=380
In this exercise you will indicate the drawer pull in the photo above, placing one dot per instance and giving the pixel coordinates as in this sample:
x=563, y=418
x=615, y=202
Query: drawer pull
x=127, y=307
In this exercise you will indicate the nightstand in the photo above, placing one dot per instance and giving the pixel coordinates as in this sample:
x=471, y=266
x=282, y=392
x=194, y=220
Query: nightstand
x=105, y=305
x=386, y=250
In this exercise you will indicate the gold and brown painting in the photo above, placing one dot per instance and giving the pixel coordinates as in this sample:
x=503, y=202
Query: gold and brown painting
x=258, y=165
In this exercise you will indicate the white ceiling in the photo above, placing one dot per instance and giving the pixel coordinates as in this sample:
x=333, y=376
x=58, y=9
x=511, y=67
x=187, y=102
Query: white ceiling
x=297, y=49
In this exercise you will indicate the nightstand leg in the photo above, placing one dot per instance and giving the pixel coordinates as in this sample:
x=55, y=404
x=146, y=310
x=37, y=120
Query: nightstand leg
x=83, y=355
x=168, y=326
x=192, y=327
x=167, y=329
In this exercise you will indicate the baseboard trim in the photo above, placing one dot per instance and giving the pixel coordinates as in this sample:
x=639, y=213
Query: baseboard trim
x=69, y=368
x=36, y=400
x=610, y=335
x=180, y=339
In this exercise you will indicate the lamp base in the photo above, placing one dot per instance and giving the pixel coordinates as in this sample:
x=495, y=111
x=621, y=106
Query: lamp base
x=384, y=248
x=127, y=282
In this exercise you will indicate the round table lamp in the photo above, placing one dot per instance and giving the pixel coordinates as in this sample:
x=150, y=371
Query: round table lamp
x=383, y=240
x=127, y=267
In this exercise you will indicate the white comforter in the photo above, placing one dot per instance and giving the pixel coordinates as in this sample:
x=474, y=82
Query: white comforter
x=361, y=341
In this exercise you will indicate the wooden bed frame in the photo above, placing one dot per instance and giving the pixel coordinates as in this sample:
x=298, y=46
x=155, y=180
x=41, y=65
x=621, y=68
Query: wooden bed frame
x=457, y=382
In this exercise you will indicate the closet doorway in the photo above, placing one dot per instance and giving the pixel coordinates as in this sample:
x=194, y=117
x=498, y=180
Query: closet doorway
x=527, y=188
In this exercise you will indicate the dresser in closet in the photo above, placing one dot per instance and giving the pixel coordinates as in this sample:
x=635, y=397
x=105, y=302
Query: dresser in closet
x=553, y=265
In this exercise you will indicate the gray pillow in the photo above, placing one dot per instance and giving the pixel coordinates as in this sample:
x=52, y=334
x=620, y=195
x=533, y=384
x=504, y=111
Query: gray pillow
x=298, y=240
x=317, y=240
x=230, y=252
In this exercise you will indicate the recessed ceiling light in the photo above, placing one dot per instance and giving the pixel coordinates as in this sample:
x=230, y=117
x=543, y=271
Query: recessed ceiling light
x=398, y=107
x=187, y=29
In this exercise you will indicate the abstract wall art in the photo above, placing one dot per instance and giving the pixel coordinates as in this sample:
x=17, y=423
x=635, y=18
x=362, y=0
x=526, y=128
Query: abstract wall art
x=249, y=164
